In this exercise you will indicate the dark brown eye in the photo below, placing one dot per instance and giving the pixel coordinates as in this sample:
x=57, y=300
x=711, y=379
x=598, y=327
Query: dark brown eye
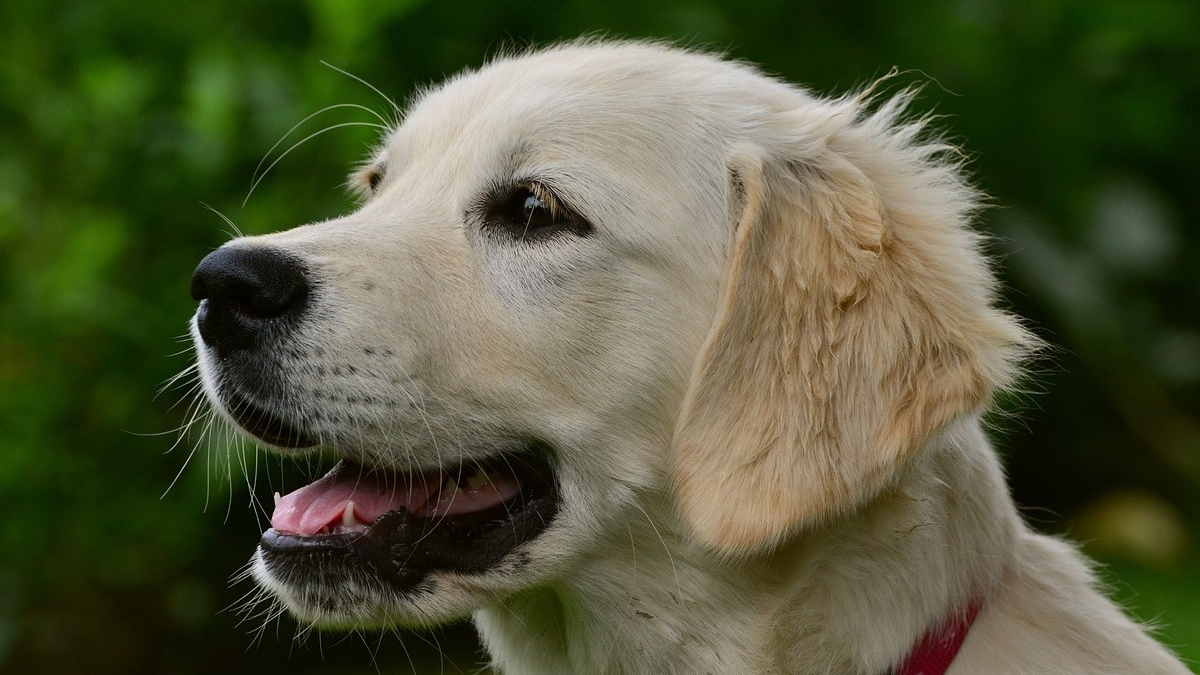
x=534, y=213
x=530, y=210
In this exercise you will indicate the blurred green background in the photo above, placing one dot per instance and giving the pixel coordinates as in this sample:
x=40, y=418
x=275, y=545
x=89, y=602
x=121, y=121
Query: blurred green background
x=121, y=120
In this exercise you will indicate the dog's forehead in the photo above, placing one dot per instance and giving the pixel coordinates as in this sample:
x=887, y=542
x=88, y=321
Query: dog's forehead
x=571, y=98
x=565, y=81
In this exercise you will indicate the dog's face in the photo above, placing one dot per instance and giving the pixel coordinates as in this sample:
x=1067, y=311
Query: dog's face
x=582, y=281
x=496, y=340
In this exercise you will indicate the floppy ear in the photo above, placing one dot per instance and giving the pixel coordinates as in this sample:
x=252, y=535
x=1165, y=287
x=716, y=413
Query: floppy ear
x=850, y=331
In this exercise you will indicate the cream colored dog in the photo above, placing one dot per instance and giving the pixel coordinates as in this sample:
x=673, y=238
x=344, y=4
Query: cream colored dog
x=654, y=365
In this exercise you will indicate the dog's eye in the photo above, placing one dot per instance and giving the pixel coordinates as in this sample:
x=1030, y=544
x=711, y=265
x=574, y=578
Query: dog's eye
x=530, y=210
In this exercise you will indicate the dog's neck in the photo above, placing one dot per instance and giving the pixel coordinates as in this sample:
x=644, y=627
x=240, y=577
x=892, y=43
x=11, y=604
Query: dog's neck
x=650, y=602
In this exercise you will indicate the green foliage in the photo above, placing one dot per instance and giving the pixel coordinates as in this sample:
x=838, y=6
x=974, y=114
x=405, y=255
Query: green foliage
x=120, y=121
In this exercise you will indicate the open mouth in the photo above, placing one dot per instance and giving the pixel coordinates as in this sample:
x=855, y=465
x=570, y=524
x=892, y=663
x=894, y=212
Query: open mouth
x=399, y=526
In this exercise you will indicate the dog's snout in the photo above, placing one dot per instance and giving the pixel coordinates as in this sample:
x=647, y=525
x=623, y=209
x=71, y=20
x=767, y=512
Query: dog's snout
x=242, y=291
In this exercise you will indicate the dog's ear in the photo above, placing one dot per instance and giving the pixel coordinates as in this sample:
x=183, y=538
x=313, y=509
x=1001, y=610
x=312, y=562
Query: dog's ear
x=852, y=328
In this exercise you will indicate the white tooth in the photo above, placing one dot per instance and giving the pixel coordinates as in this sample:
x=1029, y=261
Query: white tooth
x=277, y=499
x=451, y=485
x=477, y=479
x=348, y=516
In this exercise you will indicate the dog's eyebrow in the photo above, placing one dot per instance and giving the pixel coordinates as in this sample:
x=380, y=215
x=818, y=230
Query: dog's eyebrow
x=518, y=158
x=526, y=161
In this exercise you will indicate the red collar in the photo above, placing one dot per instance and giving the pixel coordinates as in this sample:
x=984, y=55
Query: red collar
x=940, y=644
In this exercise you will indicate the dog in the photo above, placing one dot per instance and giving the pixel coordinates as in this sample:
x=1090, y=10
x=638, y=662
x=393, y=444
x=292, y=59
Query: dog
x=652, y=363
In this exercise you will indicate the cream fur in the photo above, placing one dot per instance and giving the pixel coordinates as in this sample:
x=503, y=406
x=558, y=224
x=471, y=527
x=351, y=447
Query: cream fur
x=763, y=374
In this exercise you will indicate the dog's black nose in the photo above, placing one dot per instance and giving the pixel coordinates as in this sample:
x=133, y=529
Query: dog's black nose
x=242, y=291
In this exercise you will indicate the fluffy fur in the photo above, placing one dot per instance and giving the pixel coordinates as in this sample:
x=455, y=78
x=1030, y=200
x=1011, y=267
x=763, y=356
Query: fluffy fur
x=763, y=373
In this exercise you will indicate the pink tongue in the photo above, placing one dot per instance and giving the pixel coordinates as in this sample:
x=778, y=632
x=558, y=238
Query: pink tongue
x=322, y=504
x=311, y=508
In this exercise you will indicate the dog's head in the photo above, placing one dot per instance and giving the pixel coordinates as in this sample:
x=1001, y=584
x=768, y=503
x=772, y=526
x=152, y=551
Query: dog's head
x=584, y=280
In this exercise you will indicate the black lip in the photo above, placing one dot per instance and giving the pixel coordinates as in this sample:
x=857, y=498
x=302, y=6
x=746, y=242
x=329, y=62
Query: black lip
x=400, y=549
x=266, y=426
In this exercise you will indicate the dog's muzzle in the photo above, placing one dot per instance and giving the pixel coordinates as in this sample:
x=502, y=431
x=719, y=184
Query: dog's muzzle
x=386, y=527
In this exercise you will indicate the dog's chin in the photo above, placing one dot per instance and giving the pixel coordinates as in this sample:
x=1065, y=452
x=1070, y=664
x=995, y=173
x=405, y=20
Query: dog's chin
x=361, y=544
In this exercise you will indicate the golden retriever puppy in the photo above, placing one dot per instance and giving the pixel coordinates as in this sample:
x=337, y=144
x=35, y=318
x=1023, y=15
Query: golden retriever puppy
x=652, y=364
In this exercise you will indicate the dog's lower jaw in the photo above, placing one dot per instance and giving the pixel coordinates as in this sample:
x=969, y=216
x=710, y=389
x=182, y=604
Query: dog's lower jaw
x=677, y=611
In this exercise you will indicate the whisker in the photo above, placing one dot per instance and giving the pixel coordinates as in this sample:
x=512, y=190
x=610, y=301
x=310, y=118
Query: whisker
x=407, y=652
x=368, y=85
x=195, y=448
x=194, y=397
x=237, y=231
x=373, y=652
x=341, y=125
x=174, y=379
x=301, y=123
x=666, y=548
x=211, y=425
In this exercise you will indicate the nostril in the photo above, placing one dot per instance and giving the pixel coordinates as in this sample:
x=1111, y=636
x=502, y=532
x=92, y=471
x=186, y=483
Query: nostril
x=241, y=290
